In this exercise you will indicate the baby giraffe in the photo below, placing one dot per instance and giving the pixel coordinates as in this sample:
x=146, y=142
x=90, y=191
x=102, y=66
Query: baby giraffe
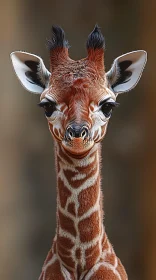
x=78, y=98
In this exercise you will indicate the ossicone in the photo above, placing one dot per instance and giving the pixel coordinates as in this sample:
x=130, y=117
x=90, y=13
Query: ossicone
x=57, y=39
x=58, y=46
x=96, y=39
x=95, y=47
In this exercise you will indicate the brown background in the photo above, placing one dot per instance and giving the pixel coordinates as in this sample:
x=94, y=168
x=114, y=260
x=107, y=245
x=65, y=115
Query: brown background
x=27, y=175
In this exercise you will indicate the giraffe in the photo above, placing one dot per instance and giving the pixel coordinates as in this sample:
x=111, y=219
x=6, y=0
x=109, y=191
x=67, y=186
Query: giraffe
x=78, y=98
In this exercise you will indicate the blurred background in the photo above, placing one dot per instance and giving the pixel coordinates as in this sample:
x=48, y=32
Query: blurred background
x=27, y=173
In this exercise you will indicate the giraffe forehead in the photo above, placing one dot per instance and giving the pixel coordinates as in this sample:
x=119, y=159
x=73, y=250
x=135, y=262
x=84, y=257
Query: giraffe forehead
x=72, y=67
x=77, y=80
x=67, y=86
x=76, y=73
x=80, y=93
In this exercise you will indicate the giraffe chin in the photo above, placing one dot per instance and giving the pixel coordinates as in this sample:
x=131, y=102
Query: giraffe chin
x=77, y=148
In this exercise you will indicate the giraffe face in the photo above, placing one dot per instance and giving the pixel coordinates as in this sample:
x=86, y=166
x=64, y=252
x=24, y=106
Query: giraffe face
x=78, y=105
x=78, y=96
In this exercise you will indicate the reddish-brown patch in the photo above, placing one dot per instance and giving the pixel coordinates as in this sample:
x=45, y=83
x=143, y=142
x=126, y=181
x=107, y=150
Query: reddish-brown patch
x=78, y=253
x=77, y=183
x=54, y=246
x=91, y=256
x=110, y=258
x=61, y=155
x=63, y=193
x=89, y=167
x=63, y=250
x=79, y=270
x=65, y=242
x=68, y=261
x=67, y=224
x=54, y=272
x=89, y=227
x=103, y=273
x=88, y=197
x=69, y=174
x=71, y=208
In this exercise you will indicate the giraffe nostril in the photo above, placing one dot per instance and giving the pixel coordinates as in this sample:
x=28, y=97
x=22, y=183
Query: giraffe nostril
x=84, y=132
x=76, y=131
x=70, y=133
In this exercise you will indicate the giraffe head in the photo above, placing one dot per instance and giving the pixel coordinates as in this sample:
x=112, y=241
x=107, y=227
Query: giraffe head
x=78, y=97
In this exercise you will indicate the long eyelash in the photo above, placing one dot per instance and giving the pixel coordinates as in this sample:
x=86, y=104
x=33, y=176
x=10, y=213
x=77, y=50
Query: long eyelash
x=42, y=104
x=104, y=101
x=46, y=102
x=113, y=103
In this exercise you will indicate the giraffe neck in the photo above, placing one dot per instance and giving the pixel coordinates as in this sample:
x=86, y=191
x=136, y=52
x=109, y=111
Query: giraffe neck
x=80, y=229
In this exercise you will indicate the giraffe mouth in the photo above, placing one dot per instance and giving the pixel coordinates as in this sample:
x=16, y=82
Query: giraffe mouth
x=77, y=146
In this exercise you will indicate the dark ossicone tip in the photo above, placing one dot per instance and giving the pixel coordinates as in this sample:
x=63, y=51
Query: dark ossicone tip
x=57, y=39
x=96, y=39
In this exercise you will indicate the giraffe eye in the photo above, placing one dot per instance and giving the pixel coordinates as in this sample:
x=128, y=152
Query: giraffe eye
x=107, y=108
x=49, y=107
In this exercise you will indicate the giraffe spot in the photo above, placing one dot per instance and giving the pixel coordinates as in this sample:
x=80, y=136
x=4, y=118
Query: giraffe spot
x=103, y=273
x=88, y=197
x=62, y=155
x=63, y=250
x=89, y=172
x=89, y=227
x=63, y=192
x=88, y=169
x=110, y=258
x=71, y=208
x=68, y=261
x=69, y=174
x=54, y=271
x=92, y=255
x=67, y=224
x=54, y=246
x=79, y=270
x=64, y=242
x=78, y=253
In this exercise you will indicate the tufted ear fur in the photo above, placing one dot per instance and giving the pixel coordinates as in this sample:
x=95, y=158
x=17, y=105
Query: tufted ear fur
x=31, y=71
x=126, y=71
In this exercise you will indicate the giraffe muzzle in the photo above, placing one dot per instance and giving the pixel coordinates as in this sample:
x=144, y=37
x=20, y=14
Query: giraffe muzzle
x=76, y=131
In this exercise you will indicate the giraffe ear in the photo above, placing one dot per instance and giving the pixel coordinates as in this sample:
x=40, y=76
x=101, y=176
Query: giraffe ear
x=126, y=71
x=31, y=71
